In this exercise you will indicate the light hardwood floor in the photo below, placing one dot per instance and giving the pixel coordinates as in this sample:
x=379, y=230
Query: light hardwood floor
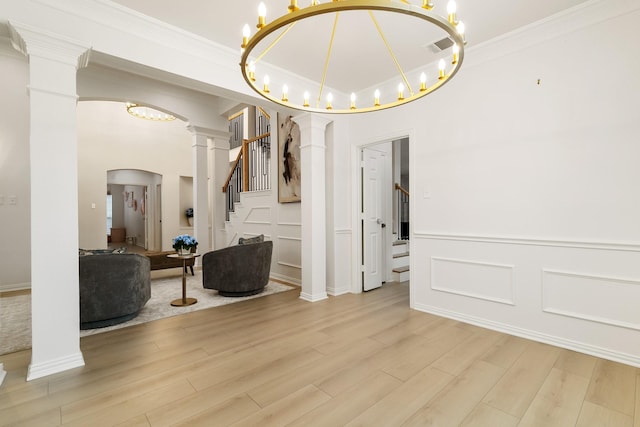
x=353, y=360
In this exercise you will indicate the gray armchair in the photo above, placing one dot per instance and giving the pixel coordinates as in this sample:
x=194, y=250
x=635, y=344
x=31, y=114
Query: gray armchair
x=239, y=270
x=113, y=288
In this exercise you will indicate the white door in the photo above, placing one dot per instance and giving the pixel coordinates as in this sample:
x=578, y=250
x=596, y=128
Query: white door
x=372, y=214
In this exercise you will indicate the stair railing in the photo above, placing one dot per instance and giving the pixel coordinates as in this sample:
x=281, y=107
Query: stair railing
x=251, y=171
x=402, y=203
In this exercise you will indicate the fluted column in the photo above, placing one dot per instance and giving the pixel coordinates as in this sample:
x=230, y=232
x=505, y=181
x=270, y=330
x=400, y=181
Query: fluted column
x=313, y=208
x=53, y=63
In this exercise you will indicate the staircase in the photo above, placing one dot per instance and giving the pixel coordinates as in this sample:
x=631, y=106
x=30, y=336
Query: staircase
x=400, y=266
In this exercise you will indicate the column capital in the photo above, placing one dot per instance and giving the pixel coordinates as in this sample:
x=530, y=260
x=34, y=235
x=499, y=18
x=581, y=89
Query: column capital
x=208, y=132
x=311, y=121
x=55, y=47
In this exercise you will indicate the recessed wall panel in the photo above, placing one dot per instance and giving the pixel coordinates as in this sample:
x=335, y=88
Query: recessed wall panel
x=607, y=300
x=476, y=279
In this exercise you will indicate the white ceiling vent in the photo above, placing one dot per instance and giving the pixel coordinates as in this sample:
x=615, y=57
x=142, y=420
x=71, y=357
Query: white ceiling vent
x=440, y=45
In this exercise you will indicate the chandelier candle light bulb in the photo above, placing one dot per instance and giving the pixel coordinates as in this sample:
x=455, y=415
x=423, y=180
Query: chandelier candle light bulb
x=293, y=6
x=285, y=93
x=262, y=15
x=246, y=32
x=423, y=82
x=376, y=98
x=460, y=28
x=451, y=11
x=306, y=98
x=441, y=67
x=400, y=92
x=456, y=52
x=353, y=101
x=329, y=101
x=265, y=86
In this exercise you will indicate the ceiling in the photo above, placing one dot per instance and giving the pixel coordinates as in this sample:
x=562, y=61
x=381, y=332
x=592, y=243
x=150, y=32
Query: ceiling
x=304, y=49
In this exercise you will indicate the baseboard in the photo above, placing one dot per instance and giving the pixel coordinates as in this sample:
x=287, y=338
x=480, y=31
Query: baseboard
x=313, y=298
x=334, y=292
x=15, y=287
x=603, y=353
x=285, y=279
x=39, y=370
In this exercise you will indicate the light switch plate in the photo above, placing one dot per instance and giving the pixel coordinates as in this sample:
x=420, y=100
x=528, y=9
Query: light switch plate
x=12, y=200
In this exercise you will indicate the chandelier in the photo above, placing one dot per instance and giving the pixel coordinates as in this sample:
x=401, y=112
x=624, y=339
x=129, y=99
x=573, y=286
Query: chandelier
x=314, y=99
x=148, y=113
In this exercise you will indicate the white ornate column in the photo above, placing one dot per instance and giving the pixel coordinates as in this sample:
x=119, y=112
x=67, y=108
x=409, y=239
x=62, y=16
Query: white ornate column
x=220, y=170
x=313, y=209
x=53, y=63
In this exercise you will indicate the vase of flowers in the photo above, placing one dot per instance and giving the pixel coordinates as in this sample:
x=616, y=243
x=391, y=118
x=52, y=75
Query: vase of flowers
x=189, y=215
x=184, y=244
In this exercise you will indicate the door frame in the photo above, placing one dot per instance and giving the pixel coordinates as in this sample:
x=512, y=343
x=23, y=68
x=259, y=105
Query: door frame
x=356, y=199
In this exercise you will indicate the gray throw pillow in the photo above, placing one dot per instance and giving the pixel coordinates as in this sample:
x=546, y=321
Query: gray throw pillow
x=247, y=241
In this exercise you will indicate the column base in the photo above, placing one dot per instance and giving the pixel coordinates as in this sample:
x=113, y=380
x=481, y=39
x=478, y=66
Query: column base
x=313, y=297
x=39, y=370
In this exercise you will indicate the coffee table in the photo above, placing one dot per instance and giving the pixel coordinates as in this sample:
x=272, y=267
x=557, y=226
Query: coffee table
x=184, y=301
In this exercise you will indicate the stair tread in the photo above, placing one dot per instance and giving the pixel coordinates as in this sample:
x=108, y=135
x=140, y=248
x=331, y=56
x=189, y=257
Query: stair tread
x=400, y=255
x=401, y=269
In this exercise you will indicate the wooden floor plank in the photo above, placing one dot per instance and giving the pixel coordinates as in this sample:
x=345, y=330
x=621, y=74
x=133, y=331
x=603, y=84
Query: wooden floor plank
x=613, y=386
x=593, y=415
x=559, y=401
x=517, y=389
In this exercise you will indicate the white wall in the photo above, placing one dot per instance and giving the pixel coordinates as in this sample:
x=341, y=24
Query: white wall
x=110, y=139
x=525, y=200
x=15, y=252
x=260, y=213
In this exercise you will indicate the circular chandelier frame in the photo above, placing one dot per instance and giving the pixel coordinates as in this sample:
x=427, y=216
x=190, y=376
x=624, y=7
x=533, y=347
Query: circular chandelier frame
x=298, y=14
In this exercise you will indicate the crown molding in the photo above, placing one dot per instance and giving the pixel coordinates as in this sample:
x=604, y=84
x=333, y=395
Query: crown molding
x=30, y=40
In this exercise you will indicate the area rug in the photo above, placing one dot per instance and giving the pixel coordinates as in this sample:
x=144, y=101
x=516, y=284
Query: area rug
x=15, y=311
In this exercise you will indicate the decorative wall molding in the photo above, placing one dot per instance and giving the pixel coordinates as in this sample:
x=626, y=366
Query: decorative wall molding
x=533, y=335
x=255, y=210
x=465, y=274
x=290, y=224
x=560, y=288
x=284, y=262
x=343, y=231
x=607, y=246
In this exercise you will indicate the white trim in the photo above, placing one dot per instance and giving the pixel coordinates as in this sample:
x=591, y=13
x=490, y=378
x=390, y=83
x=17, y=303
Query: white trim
x=584, y=244
x=582, y=316
x=346, y=231
x=601, y=352
x=511, y=268
x=290, y=224
x=313, y=298
x=286, y=264
x=284, y=278
x=39, y=370
x=3, y=373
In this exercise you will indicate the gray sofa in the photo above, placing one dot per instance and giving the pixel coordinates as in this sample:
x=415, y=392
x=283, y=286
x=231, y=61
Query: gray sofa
x=239, y=270
x=113, y=288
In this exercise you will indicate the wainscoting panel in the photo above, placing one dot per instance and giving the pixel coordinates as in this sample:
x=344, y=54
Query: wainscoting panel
x=289, y=251
x=259, y=215
x=578, y=295
x=476, y=279
x=563, y=293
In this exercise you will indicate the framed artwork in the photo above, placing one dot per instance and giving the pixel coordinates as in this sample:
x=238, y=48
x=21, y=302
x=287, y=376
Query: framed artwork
x=288, y=160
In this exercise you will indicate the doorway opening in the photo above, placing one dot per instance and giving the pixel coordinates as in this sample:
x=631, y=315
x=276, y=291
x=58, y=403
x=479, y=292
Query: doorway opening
x=383, y=213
